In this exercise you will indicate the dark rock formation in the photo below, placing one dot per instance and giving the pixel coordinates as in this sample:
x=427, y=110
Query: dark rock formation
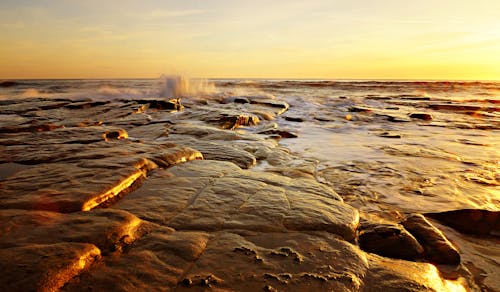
x=473, y=221
x=421, y=116
x=437, y=248
x=390, y=241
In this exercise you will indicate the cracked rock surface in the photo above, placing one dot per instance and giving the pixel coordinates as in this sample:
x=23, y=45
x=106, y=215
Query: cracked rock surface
x=154, y=196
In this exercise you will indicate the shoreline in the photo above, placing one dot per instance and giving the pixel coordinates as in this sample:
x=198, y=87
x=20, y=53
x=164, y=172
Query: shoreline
x=181, y=202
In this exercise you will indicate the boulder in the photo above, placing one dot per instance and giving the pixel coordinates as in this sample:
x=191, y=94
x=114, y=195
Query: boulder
x=436, y=246
x=389, y=240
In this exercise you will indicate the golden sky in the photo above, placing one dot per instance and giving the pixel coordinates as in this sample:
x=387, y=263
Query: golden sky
x=351, y=39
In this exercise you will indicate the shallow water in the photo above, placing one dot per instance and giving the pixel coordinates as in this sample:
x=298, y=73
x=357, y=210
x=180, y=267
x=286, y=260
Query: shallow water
x=368, y=147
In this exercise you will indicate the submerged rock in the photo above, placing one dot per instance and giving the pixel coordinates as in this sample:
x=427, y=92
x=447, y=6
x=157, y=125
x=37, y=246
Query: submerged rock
x=436, y=246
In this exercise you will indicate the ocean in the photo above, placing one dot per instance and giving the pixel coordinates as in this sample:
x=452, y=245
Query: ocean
x=385, y=146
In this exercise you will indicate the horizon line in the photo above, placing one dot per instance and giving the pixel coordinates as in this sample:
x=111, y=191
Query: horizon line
x=264, y=78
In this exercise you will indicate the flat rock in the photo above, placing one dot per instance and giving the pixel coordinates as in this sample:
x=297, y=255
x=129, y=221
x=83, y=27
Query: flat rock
x=78, y=135
x=250, y=261
x=436, y=246
x=221, y=151
x=157, y=262
x=69, y=187
x=44, y=267
x=239, y=199
x=108, y=229
x=207, y=132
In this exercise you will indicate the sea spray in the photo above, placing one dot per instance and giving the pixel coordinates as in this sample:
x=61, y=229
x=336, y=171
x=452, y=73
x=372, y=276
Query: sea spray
x=180, y=86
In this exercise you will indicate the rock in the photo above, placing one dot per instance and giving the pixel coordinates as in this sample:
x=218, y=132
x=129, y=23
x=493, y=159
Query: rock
x=239, y=199
x=67, y=187
x=294, y=119
x=225, y=118
x=162, y=104
x=396, y=275
x=463, y=108
x=108, y=229
x=437, y=248
x=281, y=133
x=44, y=267
x=220, y=151
x=361, y=109
x=421, y=116
x=473, y=221
x=206, y=132
x=281, y=105
x=390, y=241
x=236, y=99
x=159, y=262
x=389, y=135
x=10, y=168
x=85, y=135
x=85, y=104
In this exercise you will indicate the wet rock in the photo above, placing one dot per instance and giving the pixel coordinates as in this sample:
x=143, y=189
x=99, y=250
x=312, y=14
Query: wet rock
x=360, y=109
x=225, y=118
x=236, y=99
x=86, y=104
x=321, y=256
x=240, y=199
x=108, y=229
x=389, y=135
x=206, y=132
x=294, y=119
x=44, y=267
x=68, y=187
x=149, y=131
x=473, y=221
x=175, y=155
x=281, y=105
x=436, y=246
x=397, y=275
x=10, y=168
x=280, y=133
x=28, y=105
x=85, y=135
x=390, y=241
x=162, y=104
x=157, y=261
x=421, y=116
x=463, y=108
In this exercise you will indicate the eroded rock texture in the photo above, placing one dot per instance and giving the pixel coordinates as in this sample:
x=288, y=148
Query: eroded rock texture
x=115, y=196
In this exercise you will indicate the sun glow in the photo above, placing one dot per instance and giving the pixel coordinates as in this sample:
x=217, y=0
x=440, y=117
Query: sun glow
x=313, y=39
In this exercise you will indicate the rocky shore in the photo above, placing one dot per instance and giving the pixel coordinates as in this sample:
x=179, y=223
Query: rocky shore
x=157, y=195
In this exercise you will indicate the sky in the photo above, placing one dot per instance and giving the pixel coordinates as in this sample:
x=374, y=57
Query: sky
x=327, y=39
